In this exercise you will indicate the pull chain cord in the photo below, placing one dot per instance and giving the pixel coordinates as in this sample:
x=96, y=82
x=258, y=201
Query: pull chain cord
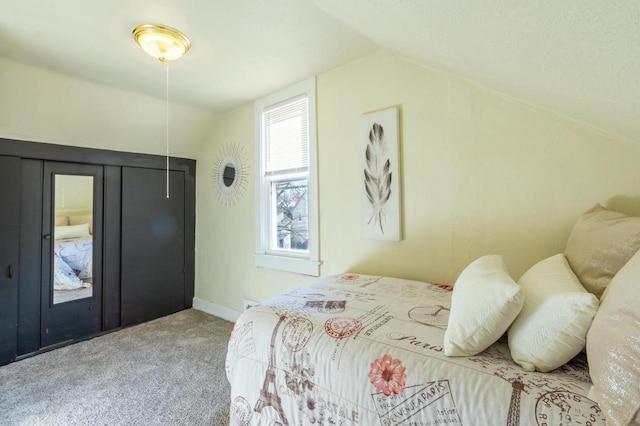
x=166, y=65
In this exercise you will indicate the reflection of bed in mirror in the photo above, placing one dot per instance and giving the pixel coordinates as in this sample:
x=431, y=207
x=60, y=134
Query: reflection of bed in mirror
x=73, y=262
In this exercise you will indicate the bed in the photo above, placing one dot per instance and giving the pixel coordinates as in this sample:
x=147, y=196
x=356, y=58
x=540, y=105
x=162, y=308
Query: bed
x=367, y=350
x=561, y=346
x=72, y=257
x=73, y=263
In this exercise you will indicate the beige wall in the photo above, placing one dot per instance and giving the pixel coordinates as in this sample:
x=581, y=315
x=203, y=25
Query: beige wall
x=73, y=193
x=482, y=173
x=225, y=271
x=43, y=106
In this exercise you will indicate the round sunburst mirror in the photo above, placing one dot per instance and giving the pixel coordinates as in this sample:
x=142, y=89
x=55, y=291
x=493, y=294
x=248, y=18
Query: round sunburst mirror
x=230, y=174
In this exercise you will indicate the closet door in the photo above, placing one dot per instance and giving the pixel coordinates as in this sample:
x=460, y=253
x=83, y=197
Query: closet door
x=71, y=301
x=30, y=256
x=153, y=244
x=9, y=240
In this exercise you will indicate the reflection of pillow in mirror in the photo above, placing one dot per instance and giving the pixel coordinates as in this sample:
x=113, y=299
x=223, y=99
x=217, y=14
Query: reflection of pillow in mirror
x=72, y=231
x=61, y=221
x=80, y=219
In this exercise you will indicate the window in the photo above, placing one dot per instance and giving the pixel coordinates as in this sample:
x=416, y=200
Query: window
x=286, y=180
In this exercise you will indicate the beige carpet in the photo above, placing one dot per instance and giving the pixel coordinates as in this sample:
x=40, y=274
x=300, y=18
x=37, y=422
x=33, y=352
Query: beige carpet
x=166, y=372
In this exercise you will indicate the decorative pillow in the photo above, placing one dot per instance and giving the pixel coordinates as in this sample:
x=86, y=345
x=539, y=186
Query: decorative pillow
x=613, y=347
x=601, y=242
x=73, y=231
x=554, y=321
x=484, y=302
x=80, y=219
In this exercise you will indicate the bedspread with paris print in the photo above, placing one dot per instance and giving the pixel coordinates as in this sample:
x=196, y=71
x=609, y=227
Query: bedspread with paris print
x=73, y=263
x=364, y=350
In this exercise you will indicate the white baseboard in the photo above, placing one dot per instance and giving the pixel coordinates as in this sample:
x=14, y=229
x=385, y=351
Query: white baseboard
x=217, y=310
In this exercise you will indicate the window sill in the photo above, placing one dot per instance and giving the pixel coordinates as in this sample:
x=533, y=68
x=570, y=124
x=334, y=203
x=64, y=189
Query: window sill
x=289, y=264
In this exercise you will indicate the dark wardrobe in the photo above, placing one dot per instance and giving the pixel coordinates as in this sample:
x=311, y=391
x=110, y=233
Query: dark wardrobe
x=124, y=257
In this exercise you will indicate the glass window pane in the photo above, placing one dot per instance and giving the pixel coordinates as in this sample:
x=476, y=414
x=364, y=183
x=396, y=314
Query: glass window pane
x=290, y=221
x=285, y=134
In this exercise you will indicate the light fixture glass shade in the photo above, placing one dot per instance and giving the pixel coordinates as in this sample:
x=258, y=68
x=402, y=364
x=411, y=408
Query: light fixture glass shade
x=161, y=42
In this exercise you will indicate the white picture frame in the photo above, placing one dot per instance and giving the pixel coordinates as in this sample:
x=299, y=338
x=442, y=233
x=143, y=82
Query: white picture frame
x=380, y=210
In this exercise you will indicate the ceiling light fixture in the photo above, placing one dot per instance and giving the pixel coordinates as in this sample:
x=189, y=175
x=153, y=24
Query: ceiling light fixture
x=161, y=42
x=165, y=44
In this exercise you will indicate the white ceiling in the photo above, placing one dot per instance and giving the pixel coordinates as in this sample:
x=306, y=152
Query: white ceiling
x=580, y=58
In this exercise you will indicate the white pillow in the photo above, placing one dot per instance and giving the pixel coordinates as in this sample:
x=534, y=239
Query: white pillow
x=484, y=302
x=556, y=316
x=80, y=219
x=73, y=231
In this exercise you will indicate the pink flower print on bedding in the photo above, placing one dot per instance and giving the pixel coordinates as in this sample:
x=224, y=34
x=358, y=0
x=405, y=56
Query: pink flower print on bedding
x=387, y=375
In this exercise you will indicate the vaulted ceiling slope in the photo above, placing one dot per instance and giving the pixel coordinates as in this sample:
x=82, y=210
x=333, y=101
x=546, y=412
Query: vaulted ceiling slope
x=579, y=58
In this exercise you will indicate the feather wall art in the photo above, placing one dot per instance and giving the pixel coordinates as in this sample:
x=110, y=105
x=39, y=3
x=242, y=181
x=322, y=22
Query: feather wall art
x=377, y=175
x=380, y=200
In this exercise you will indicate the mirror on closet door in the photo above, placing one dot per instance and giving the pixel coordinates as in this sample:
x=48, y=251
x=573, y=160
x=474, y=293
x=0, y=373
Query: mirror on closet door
x=73, y=238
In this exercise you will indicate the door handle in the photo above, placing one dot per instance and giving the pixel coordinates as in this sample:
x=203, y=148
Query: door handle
x=10, y=271
x=47, y=237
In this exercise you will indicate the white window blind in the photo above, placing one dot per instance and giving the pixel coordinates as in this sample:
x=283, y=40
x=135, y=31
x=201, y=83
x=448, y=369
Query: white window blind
x=286, y=142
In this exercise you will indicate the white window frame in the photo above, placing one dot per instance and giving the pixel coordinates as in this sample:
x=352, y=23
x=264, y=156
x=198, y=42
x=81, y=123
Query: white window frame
x=307, y=262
